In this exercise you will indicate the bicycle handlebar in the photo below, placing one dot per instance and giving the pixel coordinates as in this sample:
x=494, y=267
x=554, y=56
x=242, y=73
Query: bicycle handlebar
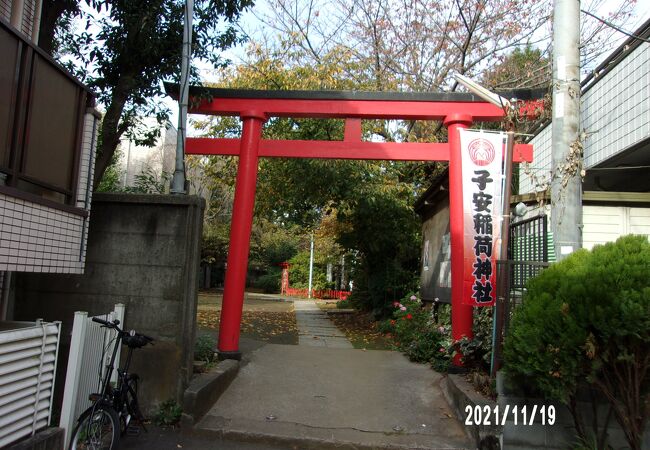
x=114, y=324
x=106, y=323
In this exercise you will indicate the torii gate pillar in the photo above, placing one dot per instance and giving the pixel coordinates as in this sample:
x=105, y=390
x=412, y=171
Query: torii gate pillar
x=461, y=314
x=254, y=107
x=240, y=231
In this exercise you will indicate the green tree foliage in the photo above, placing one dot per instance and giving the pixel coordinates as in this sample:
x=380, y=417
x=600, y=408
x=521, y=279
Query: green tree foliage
x=587, y=320
x=214, y=245
x=111, y=181
x=299, y=272
x=340, y=201
x=272, y=244
x=526, y=67
x=129, y=47
x=381, y=225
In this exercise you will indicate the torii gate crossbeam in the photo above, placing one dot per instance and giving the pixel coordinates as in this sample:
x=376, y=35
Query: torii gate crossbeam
x=455, y=110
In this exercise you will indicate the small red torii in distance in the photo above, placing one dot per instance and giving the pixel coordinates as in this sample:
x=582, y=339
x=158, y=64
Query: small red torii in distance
x=455, y=110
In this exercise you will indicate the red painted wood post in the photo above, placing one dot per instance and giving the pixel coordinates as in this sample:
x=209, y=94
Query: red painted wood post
x=240, y=230
x=461, y=315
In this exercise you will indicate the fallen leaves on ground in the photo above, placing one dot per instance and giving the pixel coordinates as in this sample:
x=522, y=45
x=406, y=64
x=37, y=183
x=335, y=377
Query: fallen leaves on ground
x=270, y=326
x=361, y=330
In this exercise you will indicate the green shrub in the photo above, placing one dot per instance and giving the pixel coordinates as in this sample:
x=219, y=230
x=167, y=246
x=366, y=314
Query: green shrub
x=417, y=335
x=269, y=282
x=344, y=304
x=477, y=352
x=168, y=414
x=204, y=348
x=587, y=320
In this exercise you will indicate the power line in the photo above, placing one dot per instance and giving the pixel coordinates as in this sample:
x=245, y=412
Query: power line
x=619, y=29
x=619, y=168
x=597, y=168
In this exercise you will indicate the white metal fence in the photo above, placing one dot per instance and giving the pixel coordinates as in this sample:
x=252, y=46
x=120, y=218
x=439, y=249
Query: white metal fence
x=90, y=352
x=28, y=353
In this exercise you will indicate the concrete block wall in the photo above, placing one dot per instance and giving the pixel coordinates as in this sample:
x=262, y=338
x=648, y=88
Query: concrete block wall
x=144, y=252
x=557, y=436
x=561, y=434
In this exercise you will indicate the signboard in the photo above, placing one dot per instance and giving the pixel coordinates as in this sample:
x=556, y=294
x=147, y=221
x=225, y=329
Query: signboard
x=483, y=182
x=425, y=257
x=444, y=277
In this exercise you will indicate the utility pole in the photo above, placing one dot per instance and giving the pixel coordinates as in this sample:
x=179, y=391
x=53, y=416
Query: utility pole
x=178, y=180
x=311, y=264
x=128, y=165
x=566, y=190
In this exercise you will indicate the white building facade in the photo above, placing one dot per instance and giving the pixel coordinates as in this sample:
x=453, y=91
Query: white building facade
x=615, y=118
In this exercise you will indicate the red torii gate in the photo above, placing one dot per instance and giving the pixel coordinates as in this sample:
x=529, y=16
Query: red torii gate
x=455, y=110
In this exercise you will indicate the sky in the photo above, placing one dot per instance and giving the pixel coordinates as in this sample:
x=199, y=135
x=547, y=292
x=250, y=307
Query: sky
x=250, y=23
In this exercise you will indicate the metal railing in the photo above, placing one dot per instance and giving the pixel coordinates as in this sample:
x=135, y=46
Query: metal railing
x=28, y=354
x=529, y=250
x=86, y=364
x=512, y=277
x=41, y=121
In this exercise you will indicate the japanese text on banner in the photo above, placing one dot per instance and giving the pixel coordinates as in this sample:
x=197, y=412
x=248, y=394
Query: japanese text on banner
x=483, y=182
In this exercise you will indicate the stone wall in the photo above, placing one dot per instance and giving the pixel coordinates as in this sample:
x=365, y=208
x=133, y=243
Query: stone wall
x=144, y=252
x=561, y=434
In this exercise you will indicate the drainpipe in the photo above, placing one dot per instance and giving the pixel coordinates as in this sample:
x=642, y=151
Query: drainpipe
x=17, y=8
x=178, y=184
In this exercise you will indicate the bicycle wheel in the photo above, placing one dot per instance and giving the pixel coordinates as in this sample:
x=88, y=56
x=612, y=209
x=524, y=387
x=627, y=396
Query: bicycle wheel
x=97, y=429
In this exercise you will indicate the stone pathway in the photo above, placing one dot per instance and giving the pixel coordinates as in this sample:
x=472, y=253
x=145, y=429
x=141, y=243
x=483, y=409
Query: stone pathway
x=315, y=329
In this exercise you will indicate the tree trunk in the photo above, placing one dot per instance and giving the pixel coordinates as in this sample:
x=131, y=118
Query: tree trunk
x=111, y=131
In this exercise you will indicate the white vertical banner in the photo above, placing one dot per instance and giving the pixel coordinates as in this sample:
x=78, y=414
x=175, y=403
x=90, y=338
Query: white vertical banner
x=483, y=183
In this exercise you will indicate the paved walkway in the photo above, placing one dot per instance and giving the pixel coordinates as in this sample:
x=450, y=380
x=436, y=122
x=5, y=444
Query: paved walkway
x=323, y=393
x=319, y=397
x=315, y=329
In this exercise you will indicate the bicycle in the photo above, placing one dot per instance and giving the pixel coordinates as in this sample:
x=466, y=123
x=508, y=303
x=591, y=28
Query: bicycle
x=100, y=426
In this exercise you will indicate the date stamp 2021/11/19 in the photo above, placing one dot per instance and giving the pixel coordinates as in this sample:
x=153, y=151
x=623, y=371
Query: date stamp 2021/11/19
x=519, y=415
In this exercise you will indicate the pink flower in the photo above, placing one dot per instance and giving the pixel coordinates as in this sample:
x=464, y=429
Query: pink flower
x=441, y=350
x=413, y=298
x=402, y=308
x=441, y=330
x=396, y=304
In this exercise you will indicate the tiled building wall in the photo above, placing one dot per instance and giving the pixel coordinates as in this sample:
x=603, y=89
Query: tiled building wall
x=617, y=108
x=615, y=112
x=35, y=238
x=540, y=168
x=38, y=238
x=27, y=25
x=87, y=163
x=24, y=21
x=5, y=10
